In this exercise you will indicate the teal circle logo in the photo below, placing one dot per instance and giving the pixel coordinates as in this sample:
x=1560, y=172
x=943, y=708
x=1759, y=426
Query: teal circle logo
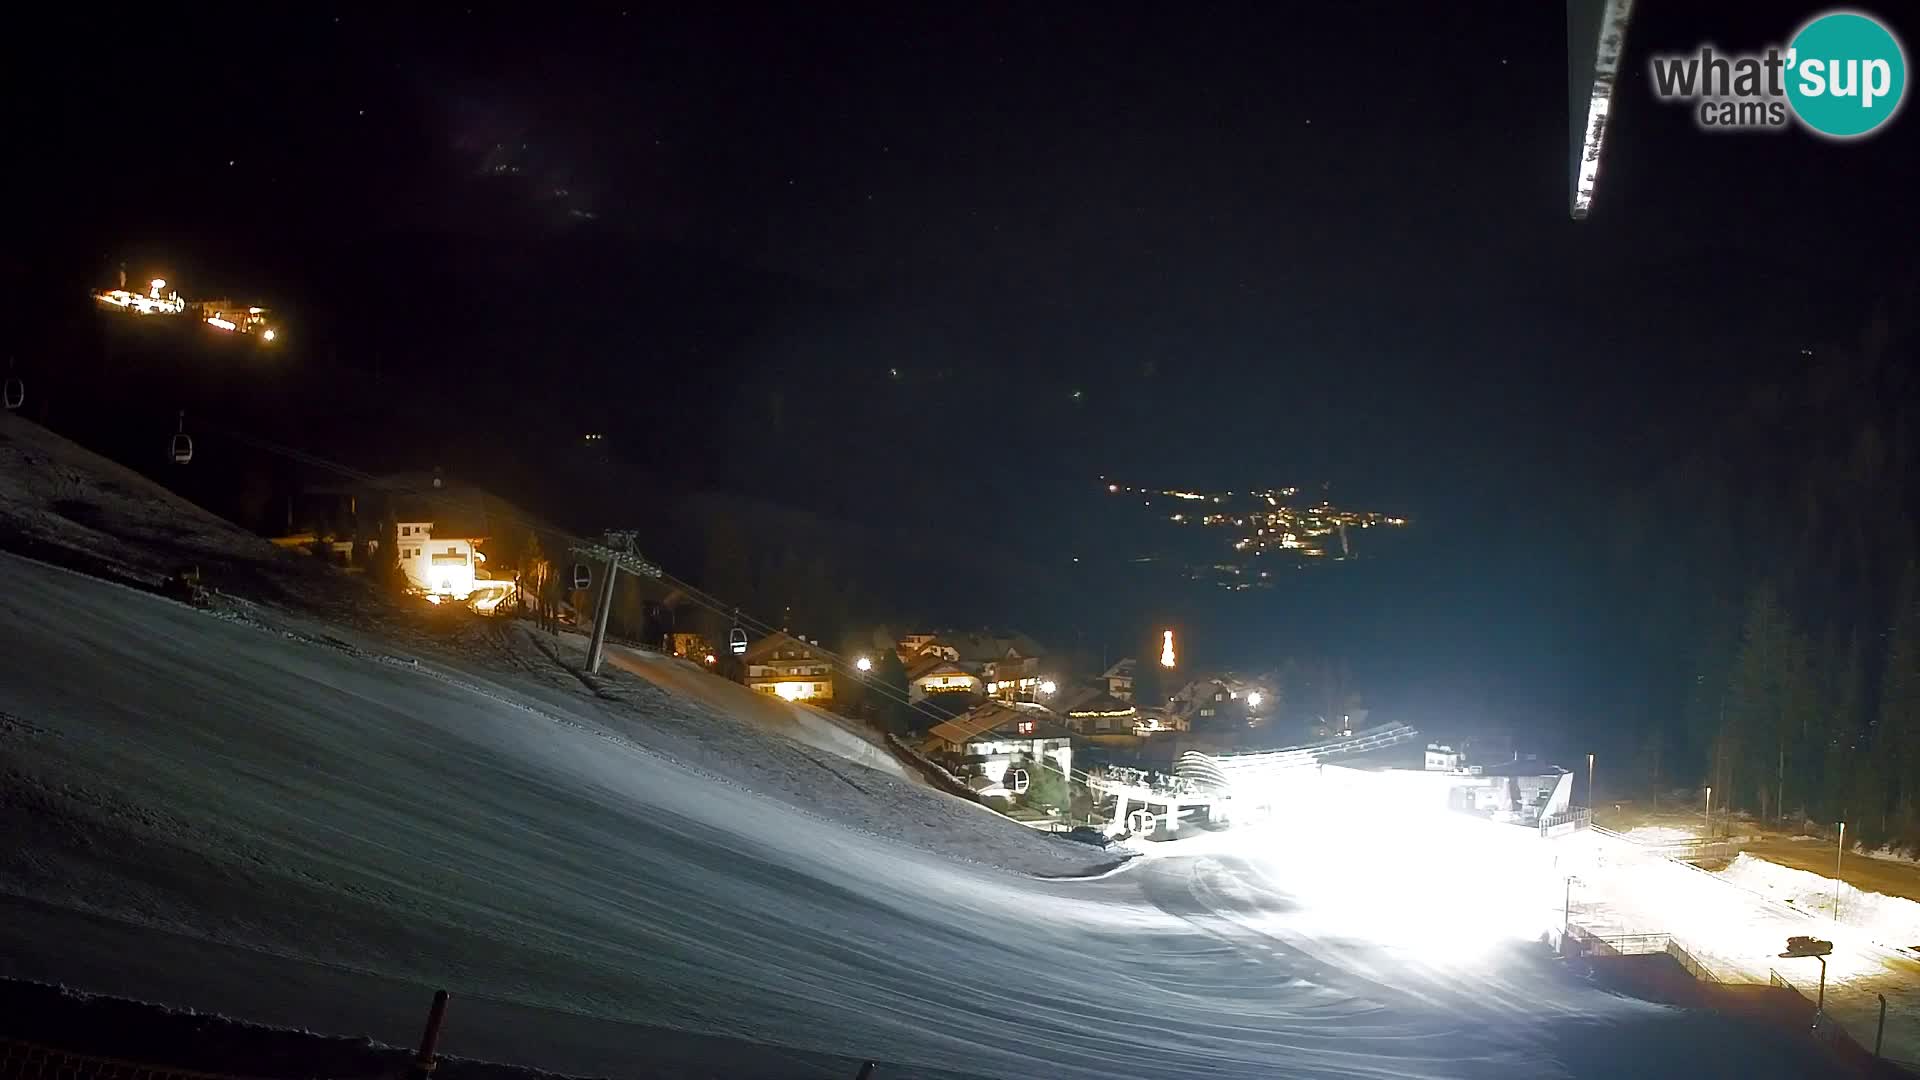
x=1846, y=74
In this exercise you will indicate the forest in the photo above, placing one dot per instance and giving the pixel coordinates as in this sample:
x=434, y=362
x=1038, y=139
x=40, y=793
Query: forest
x=1769, y=597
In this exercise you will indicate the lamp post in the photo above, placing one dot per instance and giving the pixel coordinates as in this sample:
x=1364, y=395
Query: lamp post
x=1839, y=850
x=1709, y=811
x=1800, y=947
x=1589, y=783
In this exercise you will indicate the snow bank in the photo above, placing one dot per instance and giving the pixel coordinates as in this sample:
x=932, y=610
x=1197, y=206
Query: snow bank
x=1660, y=834
x=1890, y=920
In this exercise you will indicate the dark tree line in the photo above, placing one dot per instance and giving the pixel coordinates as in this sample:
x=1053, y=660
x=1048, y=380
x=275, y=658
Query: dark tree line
x=1768, y=591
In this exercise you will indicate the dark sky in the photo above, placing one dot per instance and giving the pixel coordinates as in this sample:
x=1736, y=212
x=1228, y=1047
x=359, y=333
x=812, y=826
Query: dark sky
x=1273, y=244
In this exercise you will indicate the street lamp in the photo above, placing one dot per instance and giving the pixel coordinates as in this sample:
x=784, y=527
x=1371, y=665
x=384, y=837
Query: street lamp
x=1799, y=947
x=864, y=664
x=1589, y=783
x=1047, y=686
x=1254, y=699
x=1709, y=811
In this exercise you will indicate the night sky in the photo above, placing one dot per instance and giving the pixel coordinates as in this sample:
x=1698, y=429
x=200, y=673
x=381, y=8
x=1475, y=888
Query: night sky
x=848, y=261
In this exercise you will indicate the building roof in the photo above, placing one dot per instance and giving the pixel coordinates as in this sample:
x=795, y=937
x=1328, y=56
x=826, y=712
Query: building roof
x=982, y=646
x=934, y=665
x=993, y=718
x=1121, y=669
x=456, y=510
x=1096, y=705
x=766, y=646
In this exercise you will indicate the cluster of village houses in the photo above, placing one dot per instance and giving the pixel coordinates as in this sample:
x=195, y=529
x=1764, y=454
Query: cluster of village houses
x=989, y=706
x=990, y=702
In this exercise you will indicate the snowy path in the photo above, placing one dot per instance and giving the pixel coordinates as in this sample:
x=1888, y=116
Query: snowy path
x=204, y=813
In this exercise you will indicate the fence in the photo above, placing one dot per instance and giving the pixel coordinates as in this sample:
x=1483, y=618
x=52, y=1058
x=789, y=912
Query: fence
x=1565, y=822
x=21, y=1059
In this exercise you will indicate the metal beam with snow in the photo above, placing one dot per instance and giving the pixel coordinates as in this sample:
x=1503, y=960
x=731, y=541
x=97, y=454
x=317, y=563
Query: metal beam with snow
x=1596, y=40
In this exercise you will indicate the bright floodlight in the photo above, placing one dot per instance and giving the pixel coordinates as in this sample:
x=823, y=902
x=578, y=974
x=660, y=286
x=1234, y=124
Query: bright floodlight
x=1047, y=687
x=863, y=664
x=268, y=335
x=1254, y=699
x=1166, y=649
x=158, y=284
x=1596, y=38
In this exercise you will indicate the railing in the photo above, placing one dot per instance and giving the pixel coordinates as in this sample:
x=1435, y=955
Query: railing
x=1565, y=822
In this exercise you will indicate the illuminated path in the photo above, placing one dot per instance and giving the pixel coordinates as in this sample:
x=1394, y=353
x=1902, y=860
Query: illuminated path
x=205, y=813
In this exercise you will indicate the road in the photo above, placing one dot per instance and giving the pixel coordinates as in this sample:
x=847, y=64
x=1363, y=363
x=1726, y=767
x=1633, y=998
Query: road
x=220, y=815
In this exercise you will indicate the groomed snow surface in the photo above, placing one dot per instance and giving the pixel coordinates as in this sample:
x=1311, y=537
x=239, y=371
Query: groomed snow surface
x=290, y=825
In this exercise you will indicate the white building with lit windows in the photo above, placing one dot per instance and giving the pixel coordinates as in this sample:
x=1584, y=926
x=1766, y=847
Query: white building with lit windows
x=438, y=566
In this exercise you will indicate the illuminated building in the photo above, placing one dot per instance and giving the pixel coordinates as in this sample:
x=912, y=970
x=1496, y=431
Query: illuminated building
x=157, y=300
x=935, y=674
x=438, y=566
x=160, y=298
x=791, y=667
x=235, y=318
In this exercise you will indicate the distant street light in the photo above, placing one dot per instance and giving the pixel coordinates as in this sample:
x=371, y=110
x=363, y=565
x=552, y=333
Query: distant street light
x=864, y=664
x=1047, y=686
x=1254, y=699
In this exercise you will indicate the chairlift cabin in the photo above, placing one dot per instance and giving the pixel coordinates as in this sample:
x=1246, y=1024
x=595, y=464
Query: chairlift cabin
x=16, y=392
x=582, y=576
x=737, y=641
x=182, y=449
x=1018, y=782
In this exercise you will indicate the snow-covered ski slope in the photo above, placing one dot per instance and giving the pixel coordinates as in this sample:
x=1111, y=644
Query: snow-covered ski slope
x=209, y=813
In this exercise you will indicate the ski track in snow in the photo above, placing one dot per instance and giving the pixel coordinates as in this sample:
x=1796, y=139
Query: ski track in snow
x=519, y=841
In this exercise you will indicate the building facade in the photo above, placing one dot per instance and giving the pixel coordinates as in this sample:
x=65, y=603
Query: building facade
x=790, y=667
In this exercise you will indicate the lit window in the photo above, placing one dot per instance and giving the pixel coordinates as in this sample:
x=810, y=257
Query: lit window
x=1026, y=727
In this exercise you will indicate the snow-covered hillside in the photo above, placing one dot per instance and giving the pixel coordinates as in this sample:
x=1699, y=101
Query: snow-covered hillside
x=246, y=819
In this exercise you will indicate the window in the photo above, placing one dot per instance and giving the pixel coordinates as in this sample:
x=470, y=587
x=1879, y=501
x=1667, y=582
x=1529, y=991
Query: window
x=1026, y=727
x=406, y=530
x=1206, y=712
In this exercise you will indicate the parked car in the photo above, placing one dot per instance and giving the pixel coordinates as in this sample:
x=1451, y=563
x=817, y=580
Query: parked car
x=1087, y=834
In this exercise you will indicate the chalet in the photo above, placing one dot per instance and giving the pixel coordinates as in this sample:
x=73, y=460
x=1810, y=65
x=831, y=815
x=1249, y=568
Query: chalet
x=994, y=737
x=791, y=667
x=1119, y=679
x=1091, y=710
x=931, y=676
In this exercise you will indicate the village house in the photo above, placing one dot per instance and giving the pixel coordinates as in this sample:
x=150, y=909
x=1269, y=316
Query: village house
x=1119, y=679
x=787, y=666
x=987, y=744
x=933, y=676
x=1091, y=710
